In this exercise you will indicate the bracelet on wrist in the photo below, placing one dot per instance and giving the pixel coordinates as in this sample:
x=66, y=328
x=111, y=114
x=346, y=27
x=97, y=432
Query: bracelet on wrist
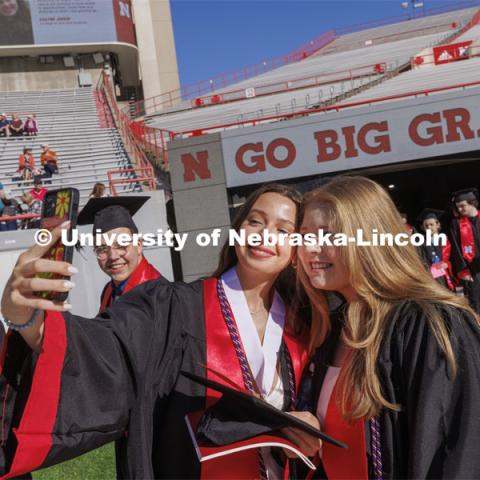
x=23, y=326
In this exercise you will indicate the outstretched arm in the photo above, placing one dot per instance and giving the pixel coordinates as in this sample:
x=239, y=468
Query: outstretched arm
x=19, y=301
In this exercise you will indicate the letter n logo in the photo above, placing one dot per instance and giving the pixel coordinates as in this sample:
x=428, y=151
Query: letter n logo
x=124, y=9
x=195, y=166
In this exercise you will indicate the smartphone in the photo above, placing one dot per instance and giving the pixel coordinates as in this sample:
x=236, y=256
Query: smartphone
x=58, y=207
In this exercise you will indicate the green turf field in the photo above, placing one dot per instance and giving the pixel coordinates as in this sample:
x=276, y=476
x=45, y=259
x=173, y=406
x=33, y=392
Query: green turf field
x=99, y=464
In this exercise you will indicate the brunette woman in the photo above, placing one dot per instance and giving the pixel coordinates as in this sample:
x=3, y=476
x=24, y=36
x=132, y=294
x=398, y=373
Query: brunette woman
x=98, y=191
x=15, y=23
x=117, y=377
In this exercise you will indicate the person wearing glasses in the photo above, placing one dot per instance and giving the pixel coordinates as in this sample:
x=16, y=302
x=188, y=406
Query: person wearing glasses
x=123, y=262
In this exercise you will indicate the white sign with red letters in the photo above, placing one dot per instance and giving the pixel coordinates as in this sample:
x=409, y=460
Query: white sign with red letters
x=383, y=133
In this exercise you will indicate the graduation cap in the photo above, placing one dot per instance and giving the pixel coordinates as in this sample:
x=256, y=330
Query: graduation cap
x=468, y=194
x=428, y=213
x=239, y=415
x=111, y=212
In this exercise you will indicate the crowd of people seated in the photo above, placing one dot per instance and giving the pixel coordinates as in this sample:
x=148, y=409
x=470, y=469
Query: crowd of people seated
x=27, y=168
x=16, y=127
x=30, y=203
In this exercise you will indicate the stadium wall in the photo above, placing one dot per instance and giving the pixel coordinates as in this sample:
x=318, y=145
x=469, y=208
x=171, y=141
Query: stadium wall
x=142, y=51
x=156, y=46
x=25, y=73
x=200, y=199
x=378, y=135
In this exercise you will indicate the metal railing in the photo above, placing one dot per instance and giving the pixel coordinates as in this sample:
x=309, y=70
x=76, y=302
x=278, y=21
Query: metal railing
x=308, y=112
x=154, y=104
x=405, y=17
x=291, y=84
x=26, y=216
x=130, y=140
x=168, y=99
x=144, y=175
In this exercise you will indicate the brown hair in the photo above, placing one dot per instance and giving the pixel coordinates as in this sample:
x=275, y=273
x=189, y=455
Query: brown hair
x=470, y=202
x=286, y=282
x=98, y=190
x=18, y=28
x=382, y=277
x=228, y=257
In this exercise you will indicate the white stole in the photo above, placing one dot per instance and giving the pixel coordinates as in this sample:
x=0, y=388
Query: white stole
x=262, y=358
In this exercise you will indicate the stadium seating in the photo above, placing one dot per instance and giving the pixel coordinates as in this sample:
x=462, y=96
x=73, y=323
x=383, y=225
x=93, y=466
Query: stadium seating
x=431, y=76
x=415, y=80
x=342, y=69
x=472, y=34
x=397, y=31
x=68, y=120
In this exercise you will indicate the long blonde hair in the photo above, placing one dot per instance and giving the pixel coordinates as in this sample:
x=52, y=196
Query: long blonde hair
x=382, y=277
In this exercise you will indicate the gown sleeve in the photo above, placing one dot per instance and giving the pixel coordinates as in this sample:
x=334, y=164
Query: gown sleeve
x=442, y=410
x=76, y=394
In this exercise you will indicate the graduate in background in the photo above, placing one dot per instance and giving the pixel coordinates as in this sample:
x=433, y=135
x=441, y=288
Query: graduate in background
x=117, y=377
x=124, y=264
x=437, y=257
x=397, y=375
x=410, y=229
x=465, y=239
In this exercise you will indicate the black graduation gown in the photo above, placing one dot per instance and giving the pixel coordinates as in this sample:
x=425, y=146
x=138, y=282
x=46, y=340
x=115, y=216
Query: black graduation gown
x=472, y=289
x=114, y=377
x=429, y=252
x=437, y=432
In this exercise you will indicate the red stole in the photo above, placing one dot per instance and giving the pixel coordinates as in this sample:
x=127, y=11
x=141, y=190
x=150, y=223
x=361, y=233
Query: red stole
x=467, y=239
x=446, y=251
x=143, y=273
x=222, y=357
x=339, y=463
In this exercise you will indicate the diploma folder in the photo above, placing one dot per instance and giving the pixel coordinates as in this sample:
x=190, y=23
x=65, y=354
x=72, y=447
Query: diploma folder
x=243, y=407
x=207, y=451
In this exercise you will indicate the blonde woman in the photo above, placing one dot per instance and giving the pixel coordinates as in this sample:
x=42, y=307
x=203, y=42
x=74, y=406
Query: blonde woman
x=397, y=376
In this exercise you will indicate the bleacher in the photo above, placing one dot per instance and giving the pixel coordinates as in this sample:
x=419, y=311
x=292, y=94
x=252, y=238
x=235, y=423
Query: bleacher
x=344, y=68
x=445, y=75
x=431, y=76
x=471, y=34
x=68, y=120
x=397, y=31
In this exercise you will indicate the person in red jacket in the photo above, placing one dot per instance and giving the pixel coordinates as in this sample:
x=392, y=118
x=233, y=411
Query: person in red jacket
x=124, y=264
x=26, y=164
x=39, y=191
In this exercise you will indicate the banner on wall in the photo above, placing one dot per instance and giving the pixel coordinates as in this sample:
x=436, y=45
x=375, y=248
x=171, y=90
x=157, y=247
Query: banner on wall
x=437, y=125
x=451, y=53
x=57, y=22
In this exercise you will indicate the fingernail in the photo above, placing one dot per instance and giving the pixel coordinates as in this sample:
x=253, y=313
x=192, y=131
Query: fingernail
x=68, y=284
x=65, y=224
x=72, y=269
x=67, y=306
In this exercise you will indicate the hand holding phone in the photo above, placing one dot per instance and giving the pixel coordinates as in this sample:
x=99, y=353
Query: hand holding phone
x=59, y=206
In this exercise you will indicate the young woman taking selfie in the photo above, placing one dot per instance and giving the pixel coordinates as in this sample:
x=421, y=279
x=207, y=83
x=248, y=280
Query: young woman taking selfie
x=397, y=376
x=117, y=376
